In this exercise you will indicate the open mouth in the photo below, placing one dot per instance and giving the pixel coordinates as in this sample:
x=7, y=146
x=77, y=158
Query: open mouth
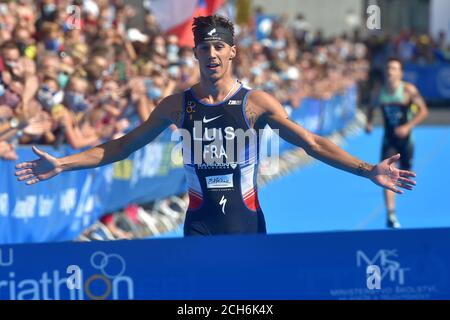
x=212, y=65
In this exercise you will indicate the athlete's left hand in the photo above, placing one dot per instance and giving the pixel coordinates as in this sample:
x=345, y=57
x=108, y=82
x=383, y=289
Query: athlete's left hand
x=386, y=175
x=402, y=131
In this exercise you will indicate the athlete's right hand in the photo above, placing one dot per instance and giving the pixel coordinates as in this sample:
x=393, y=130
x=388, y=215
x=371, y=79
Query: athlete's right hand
x=369, y=128
x=41, y=169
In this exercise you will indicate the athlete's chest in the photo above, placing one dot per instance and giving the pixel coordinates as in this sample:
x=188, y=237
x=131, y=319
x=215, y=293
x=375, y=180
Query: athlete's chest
x=395, y=99
x=217, y=133
x=395, y=106
x=224, y=117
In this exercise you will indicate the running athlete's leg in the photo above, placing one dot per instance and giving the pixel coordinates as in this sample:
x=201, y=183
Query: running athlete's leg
x=388, y=150
x=406, y=151
x=407, y=155
x=389, y=198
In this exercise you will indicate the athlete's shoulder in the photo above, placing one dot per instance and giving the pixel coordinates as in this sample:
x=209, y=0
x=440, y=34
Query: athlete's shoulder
x=262, y=105
x=262, y=99
x=171, y=107
x=173, y=99
x=410, y=88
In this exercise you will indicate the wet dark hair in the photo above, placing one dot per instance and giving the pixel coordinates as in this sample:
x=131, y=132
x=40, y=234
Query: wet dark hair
x=209, y=21
x=395, y=59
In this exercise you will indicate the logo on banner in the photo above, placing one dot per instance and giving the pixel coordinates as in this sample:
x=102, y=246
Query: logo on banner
x=104, y=284
x=107, y=281
x=6, y=257
x=384, y=264
x=443, y=82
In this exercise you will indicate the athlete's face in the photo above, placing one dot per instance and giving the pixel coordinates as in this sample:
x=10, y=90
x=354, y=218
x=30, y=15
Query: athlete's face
x=214, y=58
x=394, y=71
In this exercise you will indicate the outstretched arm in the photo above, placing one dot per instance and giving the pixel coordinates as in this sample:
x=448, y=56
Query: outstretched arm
x=48, y=166
x=383, y=174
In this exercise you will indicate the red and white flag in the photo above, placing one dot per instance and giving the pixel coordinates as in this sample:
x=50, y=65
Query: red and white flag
x=175, y=16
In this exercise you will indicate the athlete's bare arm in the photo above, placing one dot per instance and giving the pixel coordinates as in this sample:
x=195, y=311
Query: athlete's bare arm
x=265, y=109
x=371, y=108
x=167, y=112
x=416, y=98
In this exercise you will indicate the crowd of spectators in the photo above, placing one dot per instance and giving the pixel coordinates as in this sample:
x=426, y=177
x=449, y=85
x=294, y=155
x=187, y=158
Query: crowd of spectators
x=80, y=86
x=87, y=78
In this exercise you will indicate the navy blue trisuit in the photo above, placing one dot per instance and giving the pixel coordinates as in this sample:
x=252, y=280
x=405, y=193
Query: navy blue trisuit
x=221, y=155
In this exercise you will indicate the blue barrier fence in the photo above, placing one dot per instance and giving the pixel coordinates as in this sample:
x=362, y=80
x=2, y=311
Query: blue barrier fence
x=61, y=208
x=433, y=81
x=413, y=264
x=324, y=116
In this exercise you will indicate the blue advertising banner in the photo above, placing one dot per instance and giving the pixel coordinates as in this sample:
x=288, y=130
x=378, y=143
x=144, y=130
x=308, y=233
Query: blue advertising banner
x=63, y=207
x=322, y=117
x=400, y=264
x=433, y=81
